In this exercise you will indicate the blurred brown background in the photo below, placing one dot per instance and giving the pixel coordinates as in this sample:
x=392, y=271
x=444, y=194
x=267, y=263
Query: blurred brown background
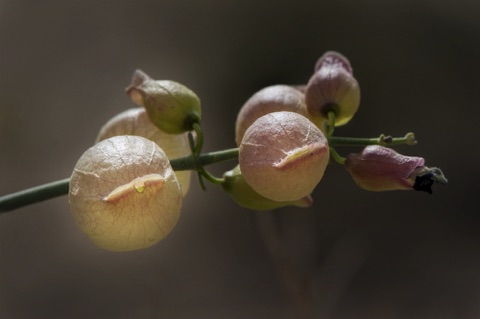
x=354, y=254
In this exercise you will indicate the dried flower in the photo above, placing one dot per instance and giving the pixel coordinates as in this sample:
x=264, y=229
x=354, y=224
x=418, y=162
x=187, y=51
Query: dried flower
x=379, y=168
x=333, y=59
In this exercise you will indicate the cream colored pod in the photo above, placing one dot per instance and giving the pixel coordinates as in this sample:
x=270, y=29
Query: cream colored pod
x=274, y=98
x=283, y=156
x=136, y=122
x=124, y=194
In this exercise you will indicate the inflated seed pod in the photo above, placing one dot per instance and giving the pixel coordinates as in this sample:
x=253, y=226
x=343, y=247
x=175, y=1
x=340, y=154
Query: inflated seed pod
x=124, y=194
x=273, y=98
x=283, y=156
x=332, y=88
x=170, y=105
x=136, y=122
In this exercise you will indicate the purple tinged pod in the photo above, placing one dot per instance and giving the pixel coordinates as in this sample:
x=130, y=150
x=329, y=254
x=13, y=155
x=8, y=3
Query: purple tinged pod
x=283, y=156
x=332, y=87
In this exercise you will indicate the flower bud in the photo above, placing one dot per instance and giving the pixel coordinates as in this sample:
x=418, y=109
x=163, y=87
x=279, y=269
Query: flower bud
x=171, y=106
x=136, y=122
x=236, y=186
x=270, y=99
x=283, y=156
x=332, y=88
x=379, y=168
x=124, y=194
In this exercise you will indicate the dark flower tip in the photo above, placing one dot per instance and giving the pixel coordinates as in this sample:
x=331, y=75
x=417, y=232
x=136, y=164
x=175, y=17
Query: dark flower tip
x=426, y=177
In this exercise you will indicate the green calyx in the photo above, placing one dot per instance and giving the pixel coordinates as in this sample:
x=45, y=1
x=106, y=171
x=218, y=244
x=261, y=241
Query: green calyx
x=171, y=106
x=236, y=186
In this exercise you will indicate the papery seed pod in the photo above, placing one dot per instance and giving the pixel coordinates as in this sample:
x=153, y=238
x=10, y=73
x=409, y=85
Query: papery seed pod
x=171, y=106
x=270, y=99
x=332, y=88
x=283, y=156
x=136, y=122
x=124, y=194
x=379, y=168
x=236, y=186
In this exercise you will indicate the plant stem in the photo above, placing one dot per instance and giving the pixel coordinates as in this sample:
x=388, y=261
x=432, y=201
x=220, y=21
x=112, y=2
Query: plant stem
x=193, y=162
x=408, y=139
x=58, y=188
x=34, y=195
x=339, y=159
x=330, y=123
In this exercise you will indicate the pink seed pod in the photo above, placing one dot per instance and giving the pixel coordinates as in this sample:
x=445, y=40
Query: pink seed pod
x=136, y=122
x=283, y=156
x=124, y=194
x=379, y=168
x=270, y=99
x=332, y=88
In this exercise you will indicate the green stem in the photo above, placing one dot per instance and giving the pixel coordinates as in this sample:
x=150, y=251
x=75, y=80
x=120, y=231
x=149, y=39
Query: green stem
x=330, y=123
x=196, y=145
x=34, y=195
x=198, y=130
x=339, y=159
x=193, y=162
x=212, y=179
x=408, y=139
x=58, y=188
